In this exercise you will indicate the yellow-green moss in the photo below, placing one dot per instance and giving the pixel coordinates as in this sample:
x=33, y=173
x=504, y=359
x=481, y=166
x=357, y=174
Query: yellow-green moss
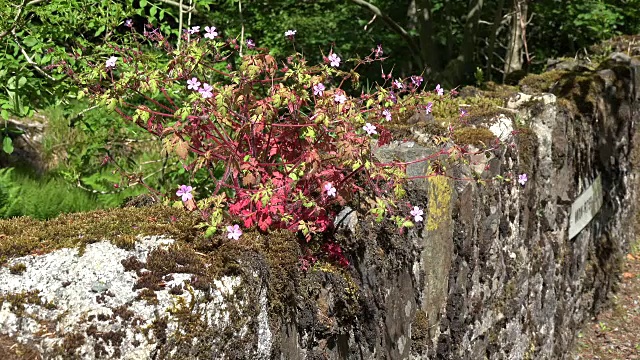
x=439, y=201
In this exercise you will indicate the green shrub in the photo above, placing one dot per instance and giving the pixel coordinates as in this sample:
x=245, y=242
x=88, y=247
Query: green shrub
x=44, y=198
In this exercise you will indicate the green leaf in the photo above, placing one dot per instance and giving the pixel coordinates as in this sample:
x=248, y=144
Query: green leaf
x=7, y=145
x=143, y=3
x=153, y=11
x=100, y=30
x=30, y=41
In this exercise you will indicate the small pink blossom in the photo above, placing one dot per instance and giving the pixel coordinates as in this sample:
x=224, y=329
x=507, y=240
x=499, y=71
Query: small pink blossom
x=318, y=89
x=211, y=32
x=417, y=80
x=417, y=214
x=290, y=33
x=439, y=90
x=429, y=107
x=370, y=129
x=463, y=113
x=234, y=232
x=111, y=62
x=398, y=84
x=340, y=98
x=206, y=91
x=331, y=191
x=251, y=44
x=522, y=179
x=185, y=192
x=194, y=30
x=378, y=51
x=334, y=59
x=193, y=84
x=387, y=114
x=128, y=23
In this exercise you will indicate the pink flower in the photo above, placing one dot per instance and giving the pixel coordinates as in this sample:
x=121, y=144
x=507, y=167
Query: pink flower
x=378, y=51
x=428, y=107
x=387, y=114
x=522, y=179
x=290, y=33
x=185, y=192
x=318, y=89
x=334, y=59
x=128, y=23
x=331, y=191
x=211, y=32
x=250, y=44
x=206, y=91
x=340, y=98
x=398, y=84
x=439, y=90
x=234, y=232
x=463, y=113
x=111, y=63
x=416, y=80
x=417, y=214
x=194, y=30
x=194, y=84
x=369, y=128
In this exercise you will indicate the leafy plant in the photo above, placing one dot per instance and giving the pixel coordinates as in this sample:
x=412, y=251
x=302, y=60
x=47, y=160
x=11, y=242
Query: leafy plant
x=277, y=145
x=290, y=148
x=41, y=198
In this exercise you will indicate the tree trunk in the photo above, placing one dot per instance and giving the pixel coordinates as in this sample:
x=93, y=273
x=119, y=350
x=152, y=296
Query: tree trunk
x=497, y=21
x=513, y=60
x=428, y=50
x=469, y=40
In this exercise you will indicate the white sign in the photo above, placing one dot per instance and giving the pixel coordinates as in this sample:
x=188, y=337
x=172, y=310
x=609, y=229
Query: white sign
x=585, y=208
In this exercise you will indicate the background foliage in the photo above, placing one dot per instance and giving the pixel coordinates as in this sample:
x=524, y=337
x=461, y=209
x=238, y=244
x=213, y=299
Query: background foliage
x=427, y=37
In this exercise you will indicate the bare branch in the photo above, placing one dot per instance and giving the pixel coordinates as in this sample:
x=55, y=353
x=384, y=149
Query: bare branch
x=11, y=30
x=392, y=24
x=31, y=62
x=187, y=9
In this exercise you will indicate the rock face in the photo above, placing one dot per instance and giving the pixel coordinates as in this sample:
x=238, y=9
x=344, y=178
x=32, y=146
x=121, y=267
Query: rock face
x=27, y=144
x=490, y=273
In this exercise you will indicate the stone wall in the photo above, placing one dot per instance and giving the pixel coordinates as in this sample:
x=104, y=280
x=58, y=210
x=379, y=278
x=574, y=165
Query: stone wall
x=491, y=272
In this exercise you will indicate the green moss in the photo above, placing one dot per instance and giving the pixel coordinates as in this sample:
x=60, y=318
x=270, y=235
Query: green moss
x=527, y=144
x=479, y=104
x=542, y=82
x=420, y=332
x=149, y=296
x=17, y=301
x=23, y=236
x=479, y=137
x=579, y=90
x=17, y=269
